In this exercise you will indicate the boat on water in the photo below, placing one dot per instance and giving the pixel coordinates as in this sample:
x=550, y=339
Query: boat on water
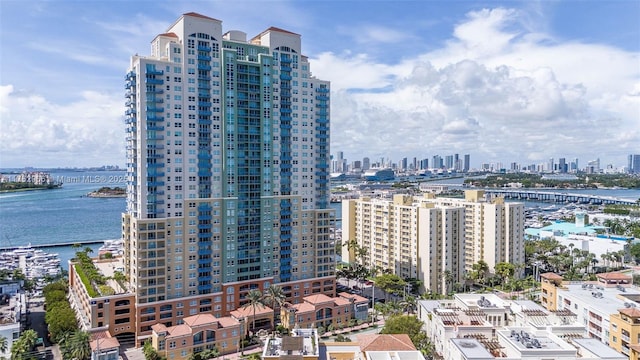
x=34, y=263
x=114, y=247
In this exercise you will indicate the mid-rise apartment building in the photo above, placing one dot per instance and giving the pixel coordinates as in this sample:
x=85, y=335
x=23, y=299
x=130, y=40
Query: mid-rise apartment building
x=436, y=240
x=412, y=239
x=485, y=326
x=493, y=228
x=608, y=307
x=227, y=172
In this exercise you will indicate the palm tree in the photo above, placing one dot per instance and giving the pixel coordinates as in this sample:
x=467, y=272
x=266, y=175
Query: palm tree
x=352, y=247
x=22, y=347
x=275, y=297
x=481, y=268
x=77, y=346
x=3, y=344
x=447, y=278
x=408, y=305
x=255, y=300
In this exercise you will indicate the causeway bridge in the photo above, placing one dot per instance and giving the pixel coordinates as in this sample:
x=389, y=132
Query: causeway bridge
x=559, y=197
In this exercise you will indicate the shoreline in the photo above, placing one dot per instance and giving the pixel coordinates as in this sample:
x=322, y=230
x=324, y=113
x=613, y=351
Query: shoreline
x=29, y=189
x=104, y=196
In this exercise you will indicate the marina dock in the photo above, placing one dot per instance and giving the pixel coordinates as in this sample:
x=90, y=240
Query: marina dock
x=54, y=245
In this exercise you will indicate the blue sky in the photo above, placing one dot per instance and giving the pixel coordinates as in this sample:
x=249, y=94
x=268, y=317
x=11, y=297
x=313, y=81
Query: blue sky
x=502, y=80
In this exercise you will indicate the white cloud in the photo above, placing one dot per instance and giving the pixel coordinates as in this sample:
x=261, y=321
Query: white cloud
x=495, y=90
x=37, y=132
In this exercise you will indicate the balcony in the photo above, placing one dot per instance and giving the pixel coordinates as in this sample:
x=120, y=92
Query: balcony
x=154, y=81
x=154, y=72
x=204, y=48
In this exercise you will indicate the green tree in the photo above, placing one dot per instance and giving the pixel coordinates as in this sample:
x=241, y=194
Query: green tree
x=60, y=319
x=390, y=283
x=255, y=300
x=342, y=338
x=412, y=326
x=22, y=348
x=480, y=271
x=505, y=271
x=76, y=345
x=149, y=352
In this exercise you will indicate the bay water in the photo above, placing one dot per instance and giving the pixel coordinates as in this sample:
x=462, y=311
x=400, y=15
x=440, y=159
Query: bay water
x=67, y=215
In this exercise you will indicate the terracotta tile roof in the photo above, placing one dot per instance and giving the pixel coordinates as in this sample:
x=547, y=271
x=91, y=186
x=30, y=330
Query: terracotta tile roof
x=173, y=35
x=248, y=311
x=634, y=347
x=614, y=276
x=200, y=320
x=195, y=14
x=357, y=298
x=304, y=307
x=341, y=301
x=104, y=334
x=179, y=330
x=104, y=344
x=228, y=321
x=317, y=299
x=551, y=276
x=159, y=328
x=273, y=28
x=387, y=342
x=631, y=312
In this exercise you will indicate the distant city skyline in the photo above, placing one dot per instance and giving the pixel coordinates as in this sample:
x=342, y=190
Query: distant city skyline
x=341, y=162
x=502, y=80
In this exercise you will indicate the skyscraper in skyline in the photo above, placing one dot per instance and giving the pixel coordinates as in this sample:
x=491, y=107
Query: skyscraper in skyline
x=228, y=172
x=634, y=164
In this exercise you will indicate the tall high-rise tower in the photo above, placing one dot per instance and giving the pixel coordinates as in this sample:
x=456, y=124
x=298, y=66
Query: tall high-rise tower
x=228, y=171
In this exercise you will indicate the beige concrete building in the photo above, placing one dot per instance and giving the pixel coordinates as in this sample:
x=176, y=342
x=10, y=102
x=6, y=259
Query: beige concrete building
x=493, y=228
x=433, y=239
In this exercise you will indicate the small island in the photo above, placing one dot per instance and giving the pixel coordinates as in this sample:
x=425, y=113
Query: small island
x=108, y=192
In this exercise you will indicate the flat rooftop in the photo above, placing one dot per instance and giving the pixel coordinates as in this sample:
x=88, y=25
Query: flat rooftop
x=609, y=303
x=108, y=268
x=598, y=349
x=526, y=340
x=472, y=349
x=299, y=344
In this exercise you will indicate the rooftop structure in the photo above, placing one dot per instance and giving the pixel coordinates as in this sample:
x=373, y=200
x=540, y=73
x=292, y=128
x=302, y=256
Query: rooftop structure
x=372, y=347
x=483, y=326
x=323, y=311
x=196, y=333
x=303, y=343
x=609, y=307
